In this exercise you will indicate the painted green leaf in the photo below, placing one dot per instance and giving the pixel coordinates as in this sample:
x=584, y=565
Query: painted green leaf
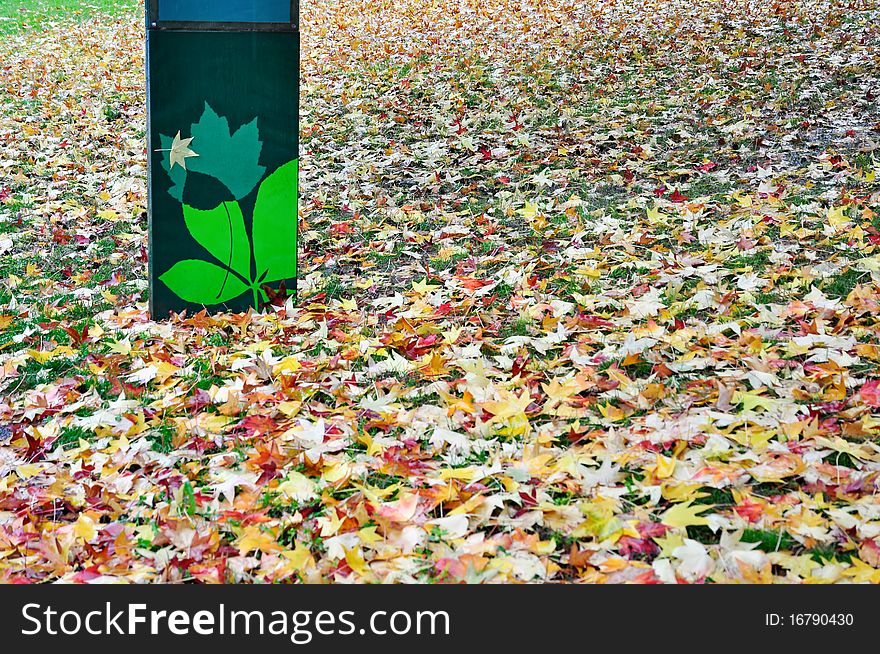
x=231, y=158
x=201, y=282
x=221, y=232
x=274, y=228
x=177, y=174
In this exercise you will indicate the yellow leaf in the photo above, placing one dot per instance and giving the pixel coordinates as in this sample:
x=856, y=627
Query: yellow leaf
x=144, y=532
x=857, y=451
x=84, y=528
x=655, y=217
x=595, y=273
x=120, y=347
x=115, y=445
x=253, y=539
x=611, y=412
x=464, y=474
x=299, y=558
x=43, y=357
x=298, y=488
x=468, y=507
x=752, y=401
x=337, y=472
x=862, y=573
x=601, y=522
x=780, y=467
x=356, y=561
x=665, y=466
x=669, y=543
x=743, y=200
x=290, y=409
x=754, y=438
x=423, y=287
x=836, y=216
x=529, y=211
x=802, y=566
x=164, y=370
x=288, y=364
x=432, y=365
x=685, y=515
x=330, y=524
x=28, y=470
x=451, y=335
x=618, y=375
x=674, y=492
x=369, y=537
x=510, y=410
x=560, y=392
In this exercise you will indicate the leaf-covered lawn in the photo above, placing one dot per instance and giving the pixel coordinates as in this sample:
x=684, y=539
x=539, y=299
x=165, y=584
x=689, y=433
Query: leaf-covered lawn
x=589, y=292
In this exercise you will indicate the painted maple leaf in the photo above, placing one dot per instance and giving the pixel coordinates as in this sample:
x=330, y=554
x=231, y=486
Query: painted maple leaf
x=230, y=158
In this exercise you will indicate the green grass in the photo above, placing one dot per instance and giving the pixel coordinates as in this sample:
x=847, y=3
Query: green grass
x=519, y=328
x=842, y=284
x=769, y=541
x=16, y=15
x=71, y=436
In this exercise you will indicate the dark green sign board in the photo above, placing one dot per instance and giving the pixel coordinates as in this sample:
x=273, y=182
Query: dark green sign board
x=223, y=106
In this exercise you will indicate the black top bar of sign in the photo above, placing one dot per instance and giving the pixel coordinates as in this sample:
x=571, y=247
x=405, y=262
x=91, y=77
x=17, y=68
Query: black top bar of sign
x=224, y=15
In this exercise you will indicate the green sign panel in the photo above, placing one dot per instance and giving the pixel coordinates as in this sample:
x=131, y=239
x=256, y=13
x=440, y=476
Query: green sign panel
x=229, y=11
x=223, y=152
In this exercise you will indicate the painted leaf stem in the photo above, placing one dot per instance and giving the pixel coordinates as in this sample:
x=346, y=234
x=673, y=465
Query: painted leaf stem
x=222, y=233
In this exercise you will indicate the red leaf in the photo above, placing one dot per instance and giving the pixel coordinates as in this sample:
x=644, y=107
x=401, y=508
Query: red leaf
x=751, y=511
x=870, y=393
